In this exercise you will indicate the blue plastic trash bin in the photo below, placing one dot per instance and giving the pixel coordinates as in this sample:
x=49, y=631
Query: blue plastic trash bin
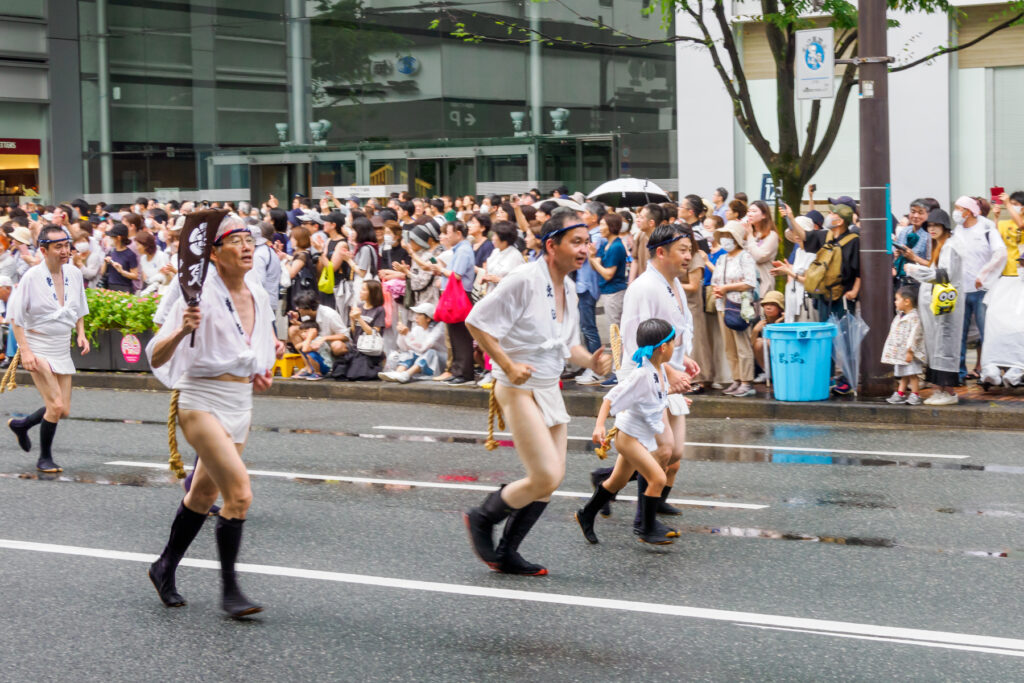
x=801, y=357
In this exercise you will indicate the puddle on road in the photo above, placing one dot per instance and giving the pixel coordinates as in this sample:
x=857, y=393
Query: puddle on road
x=719, y=454
x=154, y=478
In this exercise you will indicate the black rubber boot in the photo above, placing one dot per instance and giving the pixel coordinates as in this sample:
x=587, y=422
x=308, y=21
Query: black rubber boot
x=518, y=525
x=184, y=528
x=480, y=523
x=666, y=509
x=21, y=426
x=641, y=487
x=47, y=430
x=229, y=539
x=597, y=477
x=586, y=515
x=648, y=531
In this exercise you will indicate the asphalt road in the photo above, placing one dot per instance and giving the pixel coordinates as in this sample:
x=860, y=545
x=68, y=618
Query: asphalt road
x=810, y=553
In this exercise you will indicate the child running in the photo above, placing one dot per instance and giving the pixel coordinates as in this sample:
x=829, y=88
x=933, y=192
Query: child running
x=904, y=348
x=638, y=405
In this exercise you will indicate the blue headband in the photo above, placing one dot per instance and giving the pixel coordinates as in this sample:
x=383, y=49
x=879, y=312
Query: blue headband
x=678, y=236
x=65, y=238
x=555, y=233
x=648, y=351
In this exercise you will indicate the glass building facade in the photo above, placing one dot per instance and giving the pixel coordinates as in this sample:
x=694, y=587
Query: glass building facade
x=257, y=97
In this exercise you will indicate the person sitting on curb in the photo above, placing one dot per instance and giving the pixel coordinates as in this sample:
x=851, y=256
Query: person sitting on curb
x=773, y=307
x=421, y=348
x=318, y=333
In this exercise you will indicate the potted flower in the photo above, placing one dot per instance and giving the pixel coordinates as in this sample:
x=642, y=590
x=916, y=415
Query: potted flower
x=119, y=326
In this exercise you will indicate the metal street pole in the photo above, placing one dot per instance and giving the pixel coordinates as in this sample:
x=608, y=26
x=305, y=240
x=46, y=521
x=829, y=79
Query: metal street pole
x=875, y=262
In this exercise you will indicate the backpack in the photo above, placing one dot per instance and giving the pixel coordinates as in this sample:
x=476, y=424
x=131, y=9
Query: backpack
x=824, y=276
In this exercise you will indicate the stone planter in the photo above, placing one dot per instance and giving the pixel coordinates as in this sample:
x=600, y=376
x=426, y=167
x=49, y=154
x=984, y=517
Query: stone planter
x=128, y=351
x=99, y=356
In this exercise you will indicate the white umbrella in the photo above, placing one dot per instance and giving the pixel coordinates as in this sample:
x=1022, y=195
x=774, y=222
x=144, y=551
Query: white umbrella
x=575, y=206
x=629, y=192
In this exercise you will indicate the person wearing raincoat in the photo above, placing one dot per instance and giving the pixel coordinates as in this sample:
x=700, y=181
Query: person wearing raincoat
x=942, y=331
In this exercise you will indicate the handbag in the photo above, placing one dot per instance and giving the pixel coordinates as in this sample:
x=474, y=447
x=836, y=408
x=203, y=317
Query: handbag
x=370, y=344
x=734, y=319
x=454, y=305
x=944, y=296
x=709, y=299
x=326, y=282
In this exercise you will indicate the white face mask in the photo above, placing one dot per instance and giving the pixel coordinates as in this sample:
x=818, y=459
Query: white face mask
x=1018, y=208
x=728, y=243
x=82, y=246
x=388, y=240
x=958, y=217
x=150, y=223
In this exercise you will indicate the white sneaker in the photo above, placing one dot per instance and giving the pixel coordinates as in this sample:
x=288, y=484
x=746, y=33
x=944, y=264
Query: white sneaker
x=896, y=397
x=486, y=379
x=941, y=398
x=588, y=377
x=717, y=385
x=760, y=378
x=387, y=376
x=913, y=400
x=402, y=377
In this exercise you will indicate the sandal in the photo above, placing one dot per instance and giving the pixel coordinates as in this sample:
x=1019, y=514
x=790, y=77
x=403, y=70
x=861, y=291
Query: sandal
x=304, y=372
x=972, y=375
x=697, y=389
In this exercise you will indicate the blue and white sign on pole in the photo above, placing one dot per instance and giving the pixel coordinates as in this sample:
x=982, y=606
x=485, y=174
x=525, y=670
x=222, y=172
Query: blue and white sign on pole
x=815, y=64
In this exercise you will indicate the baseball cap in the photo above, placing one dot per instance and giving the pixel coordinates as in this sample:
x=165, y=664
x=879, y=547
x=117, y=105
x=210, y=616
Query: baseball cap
x=815, y=217
x=845, y=201
x=310, y=217
x=335, y=217
x=424, y=307
x=119, y=230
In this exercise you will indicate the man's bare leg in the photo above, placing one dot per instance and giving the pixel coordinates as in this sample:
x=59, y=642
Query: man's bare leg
x=220, y=470
x=542, y=451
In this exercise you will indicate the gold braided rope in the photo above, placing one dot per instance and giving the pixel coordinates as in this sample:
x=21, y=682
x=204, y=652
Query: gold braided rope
x=616, y=337
x=8, y=383
x=606, y=445
x=494, y=414
x=172, y=438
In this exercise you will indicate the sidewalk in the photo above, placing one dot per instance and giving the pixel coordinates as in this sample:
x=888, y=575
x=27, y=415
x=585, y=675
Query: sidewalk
x=999, y=409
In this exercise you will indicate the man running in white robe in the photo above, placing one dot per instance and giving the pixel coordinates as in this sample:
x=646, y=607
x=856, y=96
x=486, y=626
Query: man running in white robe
x=529, y=326
x=48, y=304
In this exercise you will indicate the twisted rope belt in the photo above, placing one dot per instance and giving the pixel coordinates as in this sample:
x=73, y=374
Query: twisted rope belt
x=174, y=461
x=8, y=383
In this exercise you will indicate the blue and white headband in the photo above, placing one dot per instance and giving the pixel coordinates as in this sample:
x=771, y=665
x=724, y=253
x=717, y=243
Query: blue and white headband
x=555, y=233
x=648, y=351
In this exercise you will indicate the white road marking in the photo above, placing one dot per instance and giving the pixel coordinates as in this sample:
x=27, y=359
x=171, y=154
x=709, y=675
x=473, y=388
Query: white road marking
x=903, y=641
x=443, y=485
x=910, y=636
x=795, y=448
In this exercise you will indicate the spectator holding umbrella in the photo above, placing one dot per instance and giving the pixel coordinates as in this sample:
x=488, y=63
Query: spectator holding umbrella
x=942, y=331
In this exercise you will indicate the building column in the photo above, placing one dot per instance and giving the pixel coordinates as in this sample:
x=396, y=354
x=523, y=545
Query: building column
x=65, y=119
x=204, y=85
x=299, y=73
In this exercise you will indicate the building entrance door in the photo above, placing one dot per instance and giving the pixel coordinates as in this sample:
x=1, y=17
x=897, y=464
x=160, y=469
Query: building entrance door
x=436, y=177
x=272, y=179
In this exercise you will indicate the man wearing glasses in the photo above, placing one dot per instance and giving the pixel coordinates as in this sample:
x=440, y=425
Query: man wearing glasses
x=234, y=349
x=47, y=305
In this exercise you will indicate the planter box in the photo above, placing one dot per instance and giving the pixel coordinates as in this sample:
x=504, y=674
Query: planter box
x=99, y=356
x=128, y=352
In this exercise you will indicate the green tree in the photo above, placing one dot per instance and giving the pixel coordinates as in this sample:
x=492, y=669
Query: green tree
x=792, y=162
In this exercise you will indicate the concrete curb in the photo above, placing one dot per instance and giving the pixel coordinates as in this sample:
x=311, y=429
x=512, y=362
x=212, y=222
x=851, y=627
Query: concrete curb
x=584, y=402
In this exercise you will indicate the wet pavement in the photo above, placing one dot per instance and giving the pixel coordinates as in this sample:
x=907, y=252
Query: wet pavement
x=808, y=552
